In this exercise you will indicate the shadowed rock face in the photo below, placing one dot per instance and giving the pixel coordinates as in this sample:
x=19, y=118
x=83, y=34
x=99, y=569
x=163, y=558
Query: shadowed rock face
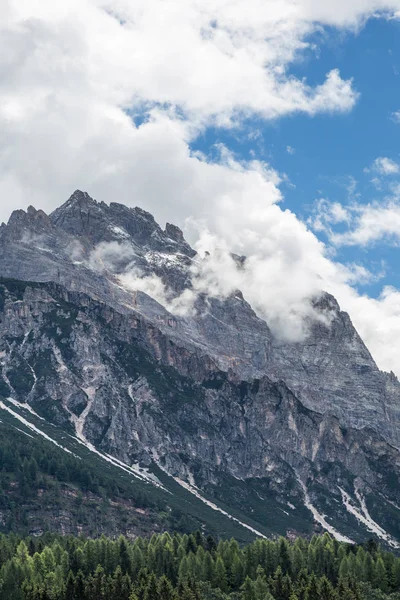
x=207, y=395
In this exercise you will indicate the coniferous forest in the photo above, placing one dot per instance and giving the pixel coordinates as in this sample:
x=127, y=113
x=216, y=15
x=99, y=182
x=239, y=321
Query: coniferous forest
x=194, y=567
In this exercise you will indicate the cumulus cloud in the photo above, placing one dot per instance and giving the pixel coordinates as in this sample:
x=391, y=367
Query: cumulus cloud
x=279, y=282
x=107, y=95
x=372, y=223
x=267, y=277
x=182, y=305
x=360, y=223
x=385, y=166
x=326, y=214
x=366, y=224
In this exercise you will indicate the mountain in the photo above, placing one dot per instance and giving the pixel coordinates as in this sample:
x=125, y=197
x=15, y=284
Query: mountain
x=206, y=402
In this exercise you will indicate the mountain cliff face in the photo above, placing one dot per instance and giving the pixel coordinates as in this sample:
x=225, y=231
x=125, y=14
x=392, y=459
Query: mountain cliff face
x=289, y=434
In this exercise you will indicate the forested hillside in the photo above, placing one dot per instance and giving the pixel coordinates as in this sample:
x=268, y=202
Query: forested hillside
x=52, y=482
x=44, y=488
x=194, y=567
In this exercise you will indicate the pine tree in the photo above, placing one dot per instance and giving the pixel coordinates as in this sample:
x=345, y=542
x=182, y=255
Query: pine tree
x=165, y=589
x=208, y=568
x=326, y=590
x=96, y=586
x=79, y=588
x=124, y=556
x=199, y=539
x=220, y=578
x=260, y=588
x=69, y=593
x=368, y=568
x=278, y=585
x=344, y=568
x=381, y=579
x=120, y=585
x=284, y=557
x=396, y=574
x=211, y=544
x=237, y=572
x=247, y=589
x=297, y=560
x=151, y=591
x=312, y=592
x=183, y=572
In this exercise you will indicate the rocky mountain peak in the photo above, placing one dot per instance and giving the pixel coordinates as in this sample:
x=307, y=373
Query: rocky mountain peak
x=144, y=230
x=17, y=216
x=174, y=232
x=36, y=221
x=80, y=215
x=99, y=222
x=81, y=199
x=326, y=302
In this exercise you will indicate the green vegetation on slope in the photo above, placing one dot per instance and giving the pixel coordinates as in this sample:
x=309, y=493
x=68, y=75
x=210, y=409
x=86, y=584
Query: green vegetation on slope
x=44, y=488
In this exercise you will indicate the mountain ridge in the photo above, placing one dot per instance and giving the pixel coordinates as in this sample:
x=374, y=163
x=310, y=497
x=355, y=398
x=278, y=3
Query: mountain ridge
x=211, y=397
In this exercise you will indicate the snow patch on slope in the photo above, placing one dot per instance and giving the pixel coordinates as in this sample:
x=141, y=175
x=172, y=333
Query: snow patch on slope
x=79, y=423
x=193, y=490
x=31, y=426
x=321, y=518
x=25, y=406
x=132, y=470
x=135, y=470
x=120, y=232
x=364, y=517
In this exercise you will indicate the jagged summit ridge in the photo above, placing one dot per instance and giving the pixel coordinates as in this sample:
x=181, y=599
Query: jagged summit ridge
x=32, y=217
x=82, y=215
x=79, y=198
x=98, y=222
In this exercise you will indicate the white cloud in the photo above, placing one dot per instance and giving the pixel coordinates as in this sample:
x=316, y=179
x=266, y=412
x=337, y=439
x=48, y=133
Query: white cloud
x=351, y=187
x=395, y=116
x=378, y=321
x=353, y=14
x=373, y=223
x=328, y=213
x=290, y=150
x=366, y=224
x=72, y=74
x=385, y=166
